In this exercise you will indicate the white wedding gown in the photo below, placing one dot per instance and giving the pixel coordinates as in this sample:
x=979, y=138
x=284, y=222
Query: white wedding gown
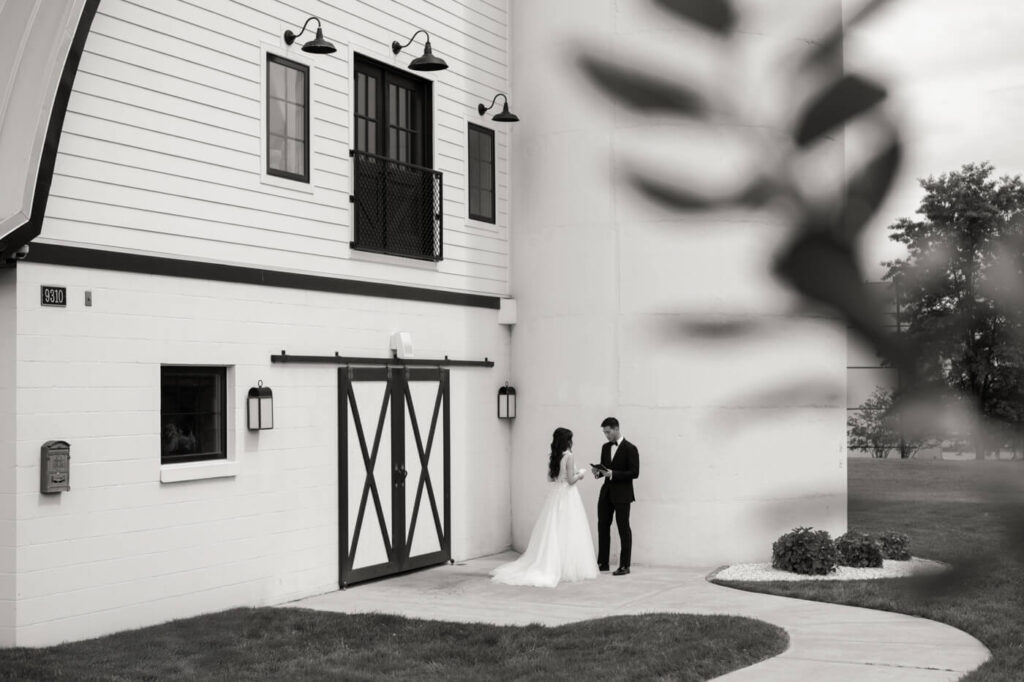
x=561, y=547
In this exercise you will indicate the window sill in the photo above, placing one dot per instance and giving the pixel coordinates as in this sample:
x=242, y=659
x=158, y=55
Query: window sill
x=356, y=253
x=193, y=471
x=287, y=183
x=482, y=226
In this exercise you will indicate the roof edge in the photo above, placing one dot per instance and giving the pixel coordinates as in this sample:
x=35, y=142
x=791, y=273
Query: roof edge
x=21, y=236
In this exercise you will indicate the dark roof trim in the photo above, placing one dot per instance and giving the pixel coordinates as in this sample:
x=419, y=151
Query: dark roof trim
x=44, y=177
x=73, y=256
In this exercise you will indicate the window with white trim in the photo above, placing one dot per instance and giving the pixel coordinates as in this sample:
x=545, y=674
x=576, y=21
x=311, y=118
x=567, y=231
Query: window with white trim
x=480, y=149
x=287, y=118
x=193, y=413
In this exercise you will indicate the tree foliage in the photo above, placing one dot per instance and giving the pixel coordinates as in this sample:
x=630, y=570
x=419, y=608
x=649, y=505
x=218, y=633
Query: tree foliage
x=875, y=427
x=869, y=429
x=959, y=290
x=819, y=260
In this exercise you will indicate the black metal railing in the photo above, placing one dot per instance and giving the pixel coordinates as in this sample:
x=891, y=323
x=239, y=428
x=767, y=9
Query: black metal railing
x=396, y=208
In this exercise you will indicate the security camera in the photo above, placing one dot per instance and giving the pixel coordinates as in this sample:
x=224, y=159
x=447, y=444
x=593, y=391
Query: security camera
x=21, y=253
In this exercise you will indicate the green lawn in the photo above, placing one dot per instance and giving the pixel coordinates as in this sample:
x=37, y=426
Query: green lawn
x=298, y=644
x=966, y=513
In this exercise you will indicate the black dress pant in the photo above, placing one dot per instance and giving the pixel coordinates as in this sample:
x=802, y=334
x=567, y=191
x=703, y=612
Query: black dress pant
x=605, y=510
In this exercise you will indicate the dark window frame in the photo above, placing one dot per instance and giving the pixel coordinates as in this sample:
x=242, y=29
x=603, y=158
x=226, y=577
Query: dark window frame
x=221, y=374
x=489, y=133
x=397, y=195
x=299, y=66
x=387, y=75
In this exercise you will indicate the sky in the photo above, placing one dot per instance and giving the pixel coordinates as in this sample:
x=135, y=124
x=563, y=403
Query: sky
x=955, y=74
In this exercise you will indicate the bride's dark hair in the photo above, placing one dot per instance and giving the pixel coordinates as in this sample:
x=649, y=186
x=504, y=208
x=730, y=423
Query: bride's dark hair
x=561, y=441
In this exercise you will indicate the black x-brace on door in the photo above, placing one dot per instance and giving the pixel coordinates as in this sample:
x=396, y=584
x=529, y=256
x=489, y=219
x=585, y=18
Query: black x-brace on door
x=394, y=470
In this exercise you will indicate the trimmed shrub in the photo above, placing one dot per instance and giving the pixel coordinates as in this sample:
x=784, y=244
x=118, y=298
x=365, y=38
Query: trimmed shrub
x=895, y=546
x=859, y=550
x=805, y=551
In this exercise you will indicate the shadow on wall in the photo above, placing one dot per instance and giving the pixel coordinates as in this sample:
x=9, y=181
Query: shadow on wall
x=782, y=177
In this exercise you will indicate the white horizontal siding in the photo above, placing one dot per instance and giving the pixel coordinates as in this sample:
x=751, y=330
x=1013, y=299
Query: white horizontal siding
x=161, y=146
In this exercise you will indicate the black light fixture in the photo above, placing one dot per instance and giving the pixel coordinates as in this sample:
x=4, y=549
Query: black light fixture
x=506, y=402
x=504, y=116
x=427, y=61
x=261, y=408
x=316, y=46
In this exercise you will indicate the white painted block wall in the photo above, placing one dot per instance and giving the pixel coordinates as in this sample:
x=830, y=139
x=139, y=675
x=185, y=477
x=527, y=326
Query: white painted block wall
x=121, y=549
x=605, y=282
x=8, y=491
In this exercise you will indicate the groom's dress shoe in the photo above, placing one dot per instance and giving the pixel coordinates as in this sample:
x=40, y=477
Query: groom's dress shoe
x=602, y=567
x=622, y=570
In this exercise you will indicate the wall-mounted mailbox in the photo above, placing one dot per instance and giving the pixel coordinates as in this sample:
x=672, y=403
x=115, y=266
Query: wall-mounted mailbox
x=55, y=467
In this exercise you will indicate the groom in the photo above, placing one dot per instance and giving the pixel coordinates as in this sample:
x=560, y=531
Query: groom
x=621, y=460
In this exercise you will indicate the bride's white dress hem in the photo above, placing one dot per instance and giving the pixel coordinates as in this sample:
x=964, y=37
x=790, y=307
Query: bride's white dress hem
x=561, y=548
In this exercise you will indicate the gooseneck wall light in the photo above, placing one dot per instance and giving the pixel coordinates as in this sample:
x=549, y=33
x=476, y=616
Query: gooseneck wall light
x=316, y=46
x=503, y=116
x=427, y=61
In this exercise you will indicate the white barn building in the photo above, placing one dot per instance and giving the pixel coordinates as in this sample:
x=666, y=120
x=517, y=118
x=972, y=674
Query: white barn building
x=192, y=208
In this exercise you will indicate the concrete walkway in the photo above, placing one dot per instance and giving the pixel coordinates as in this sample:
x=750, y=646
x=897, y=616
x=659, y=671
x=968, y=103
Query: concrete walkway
x=827, y=642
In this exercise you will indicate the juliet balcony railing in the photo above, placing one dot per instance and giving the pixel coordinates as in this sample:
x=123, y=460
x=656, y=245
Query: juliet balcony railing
x=396, y=208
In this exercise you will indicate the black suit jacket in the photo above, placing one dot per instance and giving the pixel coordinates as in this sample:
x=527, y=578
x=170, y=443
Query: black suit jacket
x=625, y=466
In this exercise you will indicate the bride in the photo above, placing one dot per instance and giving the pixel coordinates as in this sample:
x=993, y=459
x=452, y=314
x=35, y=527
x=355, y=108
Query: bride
x=560, y=547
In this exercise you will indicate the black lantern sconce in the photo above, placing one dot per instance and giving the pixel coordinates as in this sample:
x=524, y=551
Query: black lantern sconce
x=427, y=61
x=261, y=408
x=316, y=46
x=506, y=402
x=503, y=116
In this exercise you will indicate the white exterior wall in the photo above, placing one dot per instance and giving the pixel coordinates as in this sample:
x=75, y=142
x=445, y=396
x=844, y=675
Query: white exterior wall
x=604, y=282
x=8, y=414
x=121, y=549
x=161, y=154
x=161, y=149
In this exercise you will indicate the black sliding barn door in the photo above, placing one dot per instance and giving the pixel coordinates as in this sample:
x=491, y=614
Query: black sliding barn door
x=394, y=470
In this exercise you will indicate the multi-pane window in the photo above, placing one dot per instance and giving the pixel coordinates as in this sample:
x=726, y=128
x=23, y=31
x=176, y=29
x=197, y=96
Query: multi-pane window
x=193, y=413
x=395, y=193
x=287, y=118
x=481, y=173
x=392, y=113
x=367, y=116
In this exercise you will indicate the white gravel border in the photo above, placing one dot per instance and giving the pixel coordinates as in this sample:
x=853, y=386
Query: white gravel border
x=889, y=569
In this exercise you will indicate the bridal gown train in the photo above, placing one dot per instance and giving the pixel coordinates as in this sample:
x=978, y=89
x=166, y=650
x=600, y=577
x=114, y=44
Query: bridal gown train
x=561, y=547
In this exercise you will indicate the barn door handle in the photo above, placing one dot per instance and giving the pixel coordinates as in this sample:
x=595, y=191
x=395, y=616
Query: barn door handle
x=400, y=470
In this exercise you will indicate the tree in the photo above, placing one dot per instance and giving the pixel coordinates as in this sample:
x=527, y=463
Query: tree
x=964, y=324
x=868, y=427
x=875, y=427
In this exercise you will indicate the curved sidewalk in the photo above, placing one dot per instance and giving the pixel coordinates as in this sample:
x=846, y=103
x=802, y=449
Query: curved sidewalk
x=826, y=641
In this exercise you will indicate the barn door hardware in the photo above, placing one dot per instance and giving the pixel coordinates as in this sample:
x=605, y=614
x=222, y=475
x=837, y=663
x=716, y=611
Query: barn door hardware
x=336, y=359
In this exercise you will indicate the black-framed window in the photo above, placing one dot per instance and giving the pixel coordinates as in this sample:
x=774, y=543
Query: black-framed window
x=287, y=118
x=392, y=113
x=193, y=414
x=396, y=194
x=481, y=173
